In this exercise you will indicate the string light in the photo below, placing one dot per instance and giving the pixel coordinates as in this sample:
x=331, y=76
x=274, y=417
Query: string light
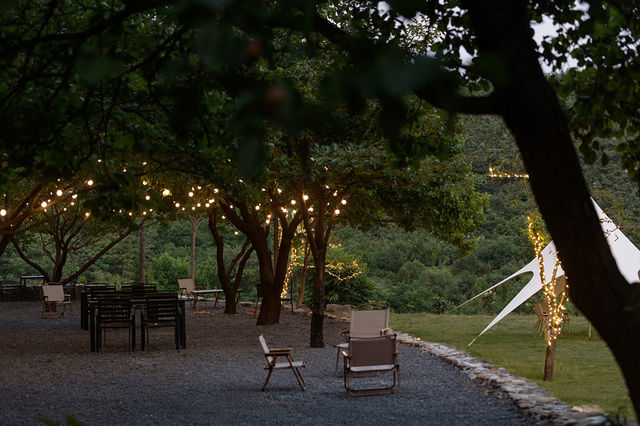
x=90, y=182
x=3, y=212
x=503, y=175
x=43, y=204
x=59, y=192
x=557, y=308
x=343, y=202
x=166, y=192
x=305, y=197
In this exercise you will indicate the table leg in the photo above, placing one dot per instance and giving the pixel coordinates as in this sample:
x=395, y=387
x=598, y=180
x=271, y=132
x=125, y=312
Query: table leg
x=183, y=330
x=83, y=312
x=92, y=331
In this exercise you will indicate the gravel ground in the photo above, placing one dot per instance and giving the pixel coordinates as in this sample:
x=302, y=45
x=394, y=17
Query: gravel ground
x=47, y=371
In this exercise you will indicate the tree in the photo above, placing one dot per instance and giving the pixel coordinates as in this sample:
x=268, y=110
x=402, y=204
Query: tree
x=67, y=231
x=229, y=279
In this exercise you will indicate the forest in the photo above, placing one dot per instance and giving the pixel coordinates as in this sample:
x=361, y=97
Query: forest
x=410, y=271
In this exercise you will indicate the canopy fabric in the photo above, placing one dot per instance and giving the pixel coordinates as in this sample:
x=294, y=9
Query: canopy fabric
x=626, y=254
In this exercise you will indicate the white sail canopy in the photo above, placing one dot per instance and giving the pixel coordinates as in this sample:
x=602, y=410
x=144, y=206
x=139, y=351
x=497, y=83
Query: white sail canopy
x=627, y=257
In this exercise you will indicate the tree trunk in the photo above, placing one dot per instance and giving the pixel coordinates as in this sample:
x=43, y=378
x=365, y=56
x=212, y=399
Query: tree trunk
x=531, y=110
x=142, y=253
x=548, y=361
x=317, y=317
x=303, y=275
x=4, y=242
x=194, y=228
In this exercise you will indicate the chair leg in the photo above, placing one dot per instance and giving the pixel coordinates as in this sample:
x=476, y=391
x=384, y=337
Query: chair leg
x=266, y=381
x=299, y=378
x=337, y=361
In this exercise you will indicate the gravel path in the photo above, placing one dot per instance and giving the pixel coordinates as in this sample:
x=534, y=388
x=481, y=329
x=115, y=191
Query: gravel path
x=46, y=370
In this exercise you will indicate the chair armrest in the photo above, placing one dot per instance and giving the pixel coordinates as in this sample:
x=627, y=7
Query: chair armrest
x=279, y=351
x=385, y=331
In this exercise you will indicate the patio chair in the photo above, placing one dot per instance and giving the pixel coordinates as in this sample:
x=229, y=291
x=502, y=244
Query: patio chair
x=112, y=313
x=53, y=295
x=10, y=290
x=364, y=323
x=187, y=286
x=272, y=363
x=366, y=358
x=543, y=317
x=161, y=310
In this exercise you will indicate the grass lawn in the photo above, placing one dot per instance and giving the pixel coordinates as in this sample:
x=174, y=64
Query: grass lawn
x=585, y=372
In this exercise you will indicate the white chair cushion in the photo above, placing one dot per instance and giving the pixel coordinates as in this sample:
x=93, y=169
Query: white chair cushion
x=296, y=364
x=363, y=368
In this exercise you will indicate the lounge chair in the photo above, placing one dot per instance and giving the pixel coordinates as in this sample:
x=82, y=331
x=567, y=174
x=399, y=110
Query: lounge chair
x=53, y=296
x=364, y=323
x=272, y=362
x=366, y=358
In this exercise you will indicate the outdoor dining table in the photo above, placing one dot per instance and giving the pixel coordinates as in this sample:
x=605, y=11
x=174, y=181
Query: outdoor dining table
x=137, y=305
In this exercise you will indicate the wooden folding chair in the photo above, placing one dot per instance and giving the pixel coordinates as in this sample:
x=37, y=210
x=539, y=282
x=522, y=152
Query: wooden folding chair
x=272, y=362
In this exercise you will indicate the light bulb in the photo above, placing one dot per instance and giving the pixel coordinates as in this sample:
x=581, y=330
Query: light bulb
x=59, y=192
x=90, y=182
x=3, y=212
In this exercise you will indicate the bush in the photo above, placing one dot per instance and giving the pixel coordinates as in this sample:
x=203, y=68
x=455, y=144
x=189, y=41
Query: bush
x=165, y=271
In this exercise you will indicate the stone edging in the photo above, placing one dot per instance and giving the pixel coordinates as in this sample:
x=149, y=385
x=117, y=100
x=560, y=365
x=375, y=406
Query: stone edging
x=528, y=397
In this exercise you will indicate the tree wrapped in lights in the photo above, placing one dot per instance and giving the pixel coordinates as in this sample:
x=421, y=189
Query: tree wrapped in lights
x=556, y=303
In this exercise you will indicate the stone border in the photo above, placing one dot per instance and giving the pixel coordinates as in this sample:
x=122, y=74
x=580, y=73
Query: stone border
x=532, y=399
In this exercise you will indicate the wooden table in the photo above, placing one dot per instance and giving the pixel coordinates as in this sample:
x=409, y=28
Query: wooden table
x=198, y=293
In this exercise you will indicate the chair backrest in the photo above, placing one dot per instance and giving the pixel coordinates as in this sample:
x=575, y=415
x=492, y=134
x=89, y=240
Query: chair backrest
x=372, y=351
x=53, y=292
x=561, y=283
x=162, y=309
x=265, y=348
x=114, y=310
x=186, y=283
x=368, y=323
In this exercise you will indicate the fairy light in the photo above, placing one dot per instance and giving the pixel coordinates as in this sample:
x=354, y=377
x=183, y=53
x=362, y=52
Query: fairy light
x=343, y=202
x=557, y=307
x=87, y=214
x=59, y=192
x=190, y=193
x=293, y=202
x=43, y=204
x=177, y=205
x=166, y=192
x=337, y=211
x=3, y=212
x=74, y=196
x=503, y=175
x=147, y=197
x=279, y=191
x=305, y=197
x=144, y=182
x=90, y=182
x=257, y=208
